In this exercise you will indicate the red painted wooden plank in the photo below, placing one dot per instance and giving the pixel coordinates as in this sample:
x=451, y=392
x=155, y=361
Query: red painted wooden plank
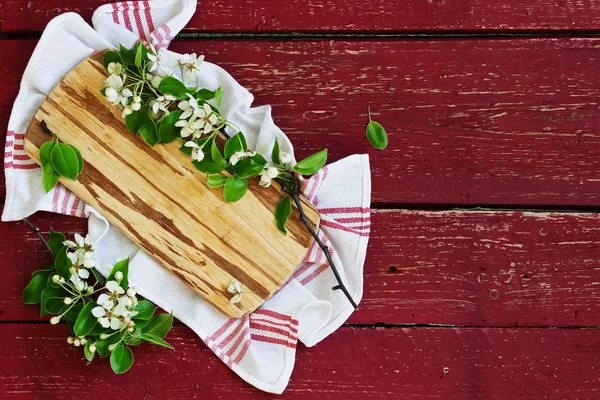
x=342, y=16
x=415, y=363
x=470, y=122
x=455, y=268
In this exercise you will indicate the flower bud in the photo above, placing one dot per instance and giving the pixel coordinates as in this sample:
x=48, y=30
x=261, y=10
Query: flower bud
x=70, y=340
x=131, y=324
x=103, y=336
x=55, y=320
x=68, y=300
x=92, y=348
x=119, y=276
x=272, y=172
x=83, y=340
x=90, y=290
x=55, y=278
x=285, y=157
x=61, y=280
x=76, y=342
x=131, y=292
x=136, y=106
x=130, y=329
x=127, y=320
x=137, y=99
x=112, y=347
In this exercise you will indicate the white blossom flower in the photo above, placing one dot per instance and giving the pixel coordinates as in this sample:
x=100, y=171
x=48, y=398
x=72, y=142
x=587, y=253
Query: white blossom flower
x=114, y=288
x=106, y=318
x=127, y=111
x=285, y=157
x=192, y=112
x=189, y=64
x=235, y=288
x=78, y=282
x=162, y=103
x=114, y=91
x=197, y=153
x=116, y=68
x=267, y=175
x=161, y=64
x=80, y=242
x=238, y=155
x=189, y=127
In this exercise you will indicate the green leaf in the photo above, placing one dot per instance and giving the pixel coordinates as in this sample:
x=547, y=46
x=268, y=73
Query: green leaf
x=204, y=94
x=282, y=213
x=98, y=275
x=54, y=305
x=216, y=180
x=145, y=310
x=235, y=144
x=122, y=49
x=49, y=179
x=235, y=188
x=123, y=267
x=167, y=131
x=73, y=312
x=56, y=241
x=32, y=294
x=65, y=161
x=102, y=344
x=247, y=168
x=218, y=97
x=138, y=54
x=141, y=323
x=110, y=57
x=312, y=164
x=156, y=340
x=45, y=156
x=62, y=263
x=137, y=119
x=128, y=57
x=79, y=158
x=85, y=321
x=86, y=351
x=216, y=154
x=275, y=152
x=377, y=135
x=175, y=87
x=48, y=294
x=149, y=132
x=159, y=325
x=207, y=165
x=259, y=159
x=121, y=359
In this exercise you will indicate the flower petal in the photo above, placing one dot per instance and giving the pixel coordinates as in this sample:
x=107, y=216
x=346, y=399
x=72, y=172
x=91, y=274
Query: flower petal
x=98, y=312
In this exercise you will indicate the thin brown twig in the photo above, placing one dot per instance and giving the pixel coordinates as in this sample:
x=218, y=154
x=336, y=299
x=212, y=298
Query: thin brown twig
x=37, y=232
x=295, y=194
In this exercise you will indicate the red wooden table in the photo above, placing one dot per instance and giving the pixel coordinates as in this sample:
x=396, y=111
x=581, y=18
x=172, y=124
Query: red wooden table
x=482, y=278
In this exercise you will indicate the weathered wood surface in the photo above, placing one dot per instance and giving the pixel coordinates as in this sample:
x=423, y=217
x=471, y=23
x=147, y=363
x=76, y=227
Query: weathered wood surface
x=517, y=124
x=409, y=363
x=436, y=16
x=453, y=268
x=156, y=197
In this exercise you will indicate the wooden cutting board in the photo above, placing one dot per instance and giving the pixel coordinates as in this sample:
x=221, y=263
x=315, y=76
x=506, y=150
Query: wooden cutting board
x=158, y=199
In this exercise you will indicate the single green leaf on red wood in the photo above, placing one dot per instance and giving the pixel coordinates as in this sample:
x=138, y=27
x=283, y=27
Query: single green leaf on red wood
x=32, y=293
x=282, y=213
x=312, y=163
x=376, y=134
x=156, y=340
x=121, y=359
x=159, y=325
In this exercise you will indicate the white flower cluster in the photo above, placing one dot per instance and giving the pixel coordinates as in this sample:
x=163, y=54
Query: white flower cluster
x=116, y=307
x=126, y=91
x=81, y=255
x=196, y=120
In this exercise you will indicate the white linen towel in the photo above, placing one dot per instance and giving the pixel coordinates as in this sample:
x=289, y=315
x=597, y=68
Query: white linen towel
x=260, y=347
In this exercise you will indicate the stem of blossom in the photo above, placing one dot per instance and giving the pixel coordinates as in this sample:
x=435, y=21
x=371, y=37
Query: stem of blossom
x=36, y=230
x=295, y=194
